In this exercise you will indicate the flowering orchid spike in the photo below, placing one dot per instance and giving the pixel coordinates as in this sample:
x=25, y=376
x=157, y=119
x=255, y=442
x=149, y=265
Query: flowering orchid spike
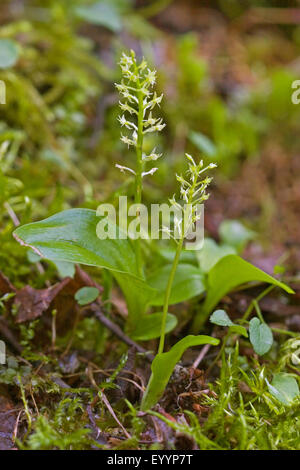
x=138, y=102
x=192, y=192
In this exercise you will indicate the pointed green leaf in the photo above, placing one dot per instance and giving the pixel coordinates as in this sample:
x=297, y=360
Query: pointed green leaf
x=228, y=273
x=71, y=236
x=163, y=365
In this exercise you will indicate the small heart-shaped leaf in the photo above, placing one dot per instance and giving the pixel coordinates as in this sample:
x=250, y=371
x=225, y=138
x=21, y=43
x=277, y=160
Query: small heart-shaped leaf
x=261, y=336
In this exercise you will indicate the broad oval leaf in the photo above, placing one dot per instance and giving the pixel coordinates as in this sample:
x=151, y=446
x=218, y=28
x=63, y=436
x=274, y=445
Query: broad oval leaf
x=228, y=273
x=71, y=236
x=149, y=326
x=188, y=283
x=261, y=336
x=163, y=365
x=9, y=53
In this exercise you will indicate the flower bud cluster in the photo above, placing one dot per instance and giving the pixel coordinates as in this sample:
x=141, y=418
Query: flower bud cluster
x=138, y=103
x=192, y=194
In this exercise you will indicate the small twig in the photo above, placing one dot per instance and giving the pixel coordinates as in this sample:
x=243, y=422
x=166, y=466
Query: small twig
x=15, y=433
x=12, y=214
x=101, y=395
x=33, y=399
x=26, y=408
x=100, y=436
x=201, y=356
x=119, y=333
x=108, y=406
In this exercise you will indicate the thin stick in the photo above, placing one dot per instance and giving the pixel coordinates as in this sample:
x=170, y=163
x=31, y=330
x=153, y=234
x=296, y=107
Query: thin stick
x=201, y=356
x=119, y=333
x=101, y=395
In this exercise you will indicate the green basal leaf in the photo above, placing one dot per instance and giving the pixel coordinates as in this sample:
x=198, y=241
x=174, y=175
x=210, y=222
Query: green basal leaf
x=86, y=295
x=71, y=236
x=188, y=283
x=228, y=273
x=9, y=53
x=284, y=388
x=163, y=365
x=149, y=326
x=261, y=336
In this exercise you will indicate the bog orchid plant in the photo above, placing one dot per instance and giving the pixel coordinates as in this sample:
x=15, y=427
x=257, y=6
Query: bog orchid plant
x=72, y=236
